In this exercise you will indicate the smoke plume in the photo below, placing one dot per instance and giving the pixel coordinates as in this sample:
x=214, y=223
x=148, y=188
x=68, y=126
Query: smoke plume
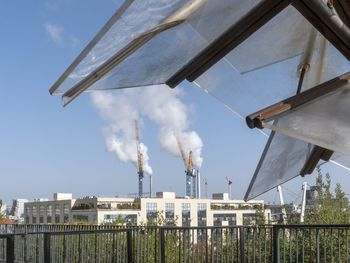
x=158, y=103
x=118, y=110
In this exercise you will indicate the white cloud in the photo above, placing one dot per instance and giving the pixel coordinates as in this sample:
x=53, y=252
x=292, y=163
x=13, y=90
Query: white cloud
x=54, y=32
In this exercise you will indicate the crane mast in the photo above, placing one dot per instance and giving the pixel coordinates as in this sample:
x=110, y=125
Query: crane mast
x=192, y=173
x=188, y=164
x=284, y=213
x=181, y=151
x=303, y=203
x=139, y=159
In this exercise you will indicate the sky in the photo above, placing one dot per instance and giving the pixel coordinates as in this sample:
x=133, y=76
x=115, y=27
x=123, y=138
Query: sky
x=46, y=148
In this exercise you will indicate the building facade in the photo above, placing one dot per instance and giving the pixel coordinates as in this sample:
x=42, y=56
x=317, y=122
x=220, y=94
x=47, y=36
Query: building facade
x=167, y=208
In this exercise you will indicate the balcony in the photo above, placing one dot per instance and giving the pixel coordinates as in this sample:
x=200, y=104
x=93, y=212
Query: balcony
x=278, y=243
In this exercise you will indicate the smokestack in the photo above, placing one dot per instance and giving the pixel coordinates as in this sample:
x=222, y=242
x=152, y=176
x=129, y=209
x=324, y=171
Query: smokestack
x=150, y=186
x=198, y=184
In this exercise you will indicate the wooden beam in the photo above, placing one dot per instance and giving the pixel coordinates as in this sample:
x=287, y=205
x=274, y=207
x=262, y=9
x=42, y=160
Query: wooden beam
x=318, y=153
x=255, y=120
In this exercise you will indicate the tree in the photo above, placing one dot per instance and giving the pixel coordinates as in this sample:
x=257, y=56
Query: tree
x=2, y=214
x=328, y=208
x=260, y=215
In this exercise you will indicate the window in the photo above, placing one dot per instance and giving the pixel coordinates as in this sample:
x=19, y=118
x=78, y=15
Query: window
x=57, y=213
x=66, y=209
x=34, y=211
x=57, y=209
x=128, y=220
x=202, y=214
x=170, y=214
x=186, y=214
x=249, y=219
x=66, y=213
x=49, y=214
x=169, y=210
x=151, y=209
x=27, y=211
x=225, y=219
x=41, y=214
x=80, y=218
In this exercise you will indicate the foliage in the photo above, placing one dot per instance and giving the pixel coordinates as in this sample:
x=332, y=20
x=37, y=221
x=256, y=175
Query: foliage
x=260, y=215
x=158, y=219
x=328, y=208
x=2, y=214
x=83, y=206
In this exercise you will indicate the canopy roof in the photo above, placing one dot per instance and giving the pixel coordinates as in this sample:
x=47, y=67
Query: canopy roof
x=248, y=53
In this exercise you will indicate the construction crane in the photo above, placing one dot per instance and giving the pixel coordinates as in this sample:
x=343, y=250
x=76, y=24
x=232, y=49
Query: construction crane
x=190, y=171
x=229, y=182
x=188, y=165
x=139, y=159
x=283, y=209
x=205, y=188
x=303, y=204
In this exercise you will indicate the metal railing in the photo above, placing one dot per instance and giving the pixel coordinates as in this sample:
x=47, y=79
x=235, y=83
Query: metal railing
x=278, y=243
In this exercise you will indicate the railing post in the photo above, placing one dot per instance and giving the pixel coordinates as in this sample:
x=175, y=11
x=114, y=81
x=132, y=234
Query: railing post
x=276, y=244
x=47, y=248
x=10, y=249
x=161, y=246
x=241, y=241
x=129, y=245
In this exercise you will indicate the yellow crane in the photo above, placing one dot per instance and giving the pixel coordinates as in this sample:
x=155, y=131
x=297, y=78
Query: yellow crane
x=139, y=159
x=189, y=168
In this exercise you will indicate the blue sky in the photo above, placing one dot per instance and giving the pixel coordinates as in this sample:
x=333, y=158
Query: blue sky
x=46, y=148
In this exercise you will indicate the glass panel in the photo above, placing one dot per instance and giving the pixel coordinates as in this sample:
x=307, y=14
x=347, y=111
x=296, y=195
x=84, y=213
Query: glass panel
x=167, y=52
x=139, y=17
x=323, y=121
x=282, y=160
x=253, y=91
x=341, y=160
x=284, y=37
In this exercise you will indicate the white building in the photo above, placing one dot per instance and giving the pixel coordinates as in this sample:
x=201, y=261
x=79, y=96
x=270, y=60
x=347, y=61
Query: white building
x=218, y=211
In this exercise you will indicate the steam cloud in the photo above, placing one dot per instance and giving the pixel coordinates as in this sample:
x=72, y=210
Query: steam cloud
x=161, y=105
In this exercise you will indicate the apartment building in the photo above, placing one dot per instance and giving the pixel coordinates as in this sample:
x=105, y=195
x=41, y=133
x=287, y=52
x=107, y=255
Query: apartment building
x=180, y=211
